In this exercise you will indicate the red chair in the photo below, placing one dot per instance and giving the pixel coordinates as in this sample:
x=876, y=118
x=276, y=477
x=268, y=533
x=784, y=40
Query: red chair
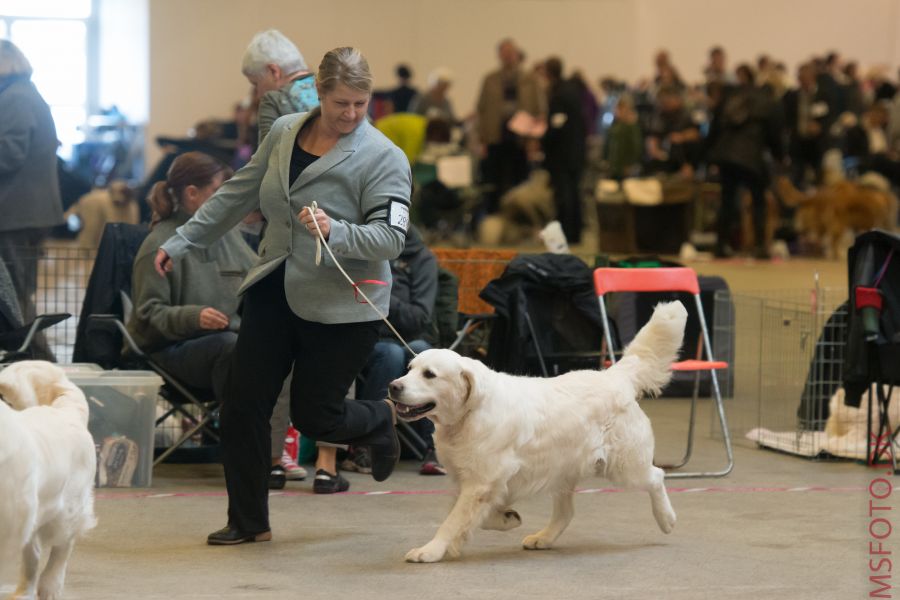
x=677, y=279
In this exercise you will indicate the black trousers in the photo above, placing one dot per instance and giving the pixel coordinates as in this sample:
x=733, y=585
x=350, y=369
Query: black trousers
x=20, y=250
x=566, y=183
x=733, y=178
x=325, y=359
x=504, y=167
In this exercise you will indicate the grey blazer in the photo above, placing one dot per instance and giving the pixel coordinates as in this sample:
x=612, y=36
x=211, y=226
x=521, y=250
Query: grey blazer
x=363, y=184
x=29, y=187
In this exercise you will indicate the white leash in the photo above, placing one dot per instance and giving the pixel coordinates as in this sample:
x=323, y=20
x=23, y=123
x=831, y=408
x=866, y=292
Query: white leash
x=320, y=241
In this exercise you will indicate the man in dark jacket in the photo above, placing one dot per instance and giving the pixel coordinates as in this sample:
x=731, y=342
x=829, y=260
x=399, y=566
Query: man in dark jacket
x=745, y=125
x=413, y=293
x=29, y=188
x=809, y=112
x=564, y=149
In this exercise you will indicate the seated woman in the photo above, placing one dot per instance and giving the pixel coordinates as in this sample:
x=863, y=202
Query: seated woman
x=188, y=321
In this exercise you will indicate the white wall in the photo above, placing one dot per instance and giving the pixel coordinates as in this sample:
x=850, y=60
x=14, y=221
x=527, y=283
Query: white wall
x=196, y=45
x=124, y=57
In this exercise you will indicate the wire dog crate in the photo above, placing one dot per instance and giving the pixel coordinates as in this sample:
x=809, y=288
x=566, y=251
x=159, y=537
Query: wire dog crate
x=62, y=277
x=785, y=387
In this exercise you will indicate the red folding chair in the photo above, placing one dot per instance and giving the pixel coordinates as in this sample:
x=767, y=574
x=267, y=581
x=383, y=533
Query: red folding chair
x=677, y=279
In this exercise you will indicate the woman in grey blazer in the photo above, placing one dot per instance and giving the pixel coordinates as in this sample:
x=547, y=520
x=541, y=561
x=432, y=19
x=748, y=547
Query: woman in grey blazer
x=297, y=313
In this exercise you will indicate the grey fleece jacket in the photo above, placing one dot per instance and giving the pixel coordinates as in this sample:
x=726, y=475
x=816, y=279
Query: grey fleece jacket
x=167, y=309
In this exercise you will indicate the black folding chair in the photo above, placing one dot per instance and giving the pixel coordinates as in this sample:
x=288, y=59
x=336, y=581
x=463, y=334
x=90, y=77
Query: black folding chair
x=102, y=336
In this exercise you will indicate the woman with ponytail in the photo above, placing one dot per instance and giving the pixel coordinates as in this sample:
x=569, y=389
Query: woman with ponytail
x=188, y=321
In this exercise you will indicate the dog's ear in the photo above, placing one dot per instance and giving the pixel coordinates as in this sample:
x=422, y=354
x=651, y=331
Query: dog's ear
x=467, y=372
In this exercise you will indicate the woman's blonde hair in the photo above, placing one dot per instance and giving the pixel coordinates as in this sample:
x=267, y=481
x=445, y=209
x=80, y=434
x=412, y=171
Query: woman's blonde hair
x=12, y=61
x=190, y=168
x=347, y=66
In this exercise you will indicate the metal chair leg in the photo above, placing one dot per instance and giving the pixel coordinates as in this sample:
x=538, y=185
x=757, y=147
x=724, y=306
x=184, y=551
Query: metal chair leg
x=184, y=437
x=690, y=436
x=720, y=409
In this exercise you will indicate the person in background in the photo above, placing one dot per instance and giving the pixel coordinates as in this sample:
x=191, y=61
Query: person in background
x=504, y=92
x=349, y=186
x=809, y=113
x=564, y=148
x=745, y=127
x=433, y=103
x=673, y=139
x=188, y=321
x=415, y=287
x=403, y=94
x=29, y=186
x=281, y=81
x=717, y=68
x=624, y=144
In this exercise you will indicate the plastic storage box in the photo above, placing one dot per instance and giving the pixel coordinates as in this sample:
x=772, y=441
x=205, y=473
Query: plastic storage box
x=122, y=417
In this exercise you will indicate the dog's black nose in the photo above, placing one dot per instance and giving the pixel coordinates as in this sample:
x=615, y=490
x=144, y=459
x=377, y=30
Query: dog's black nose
x=396, y=387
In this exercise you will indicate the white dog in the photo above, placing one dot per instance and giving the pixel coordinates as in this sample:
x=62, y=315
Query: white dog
x=503, y=438
x=47, y=462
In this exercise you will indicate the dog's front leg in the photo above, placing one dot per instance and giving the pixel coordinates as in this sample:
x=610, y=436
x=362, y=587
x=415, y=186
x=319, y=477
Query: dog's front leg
x=470, y=509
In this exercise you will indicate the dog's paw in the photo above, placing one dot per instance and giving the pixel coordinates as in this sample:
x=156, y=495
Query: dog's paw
x=536, y=542
x=502, y=520
x=665, y=519
x=429, y=553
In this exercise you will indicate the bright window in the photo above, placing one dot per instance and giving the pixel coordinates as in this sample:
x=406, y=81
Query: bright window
x=53, y=35
x=56, y=9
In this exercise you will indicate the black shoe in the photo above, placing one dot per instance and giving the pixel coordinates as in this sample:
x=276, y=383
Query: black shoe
x=326, y=483
x=230, y=536
x=277, y=478
x=723, y=251
x=761, y=253
x=358, y=461
x=384, y=447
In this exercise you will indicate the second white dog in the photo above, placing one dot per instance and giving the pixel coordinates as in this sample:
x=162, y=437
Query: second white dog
x=47, y=467
x=504, y=438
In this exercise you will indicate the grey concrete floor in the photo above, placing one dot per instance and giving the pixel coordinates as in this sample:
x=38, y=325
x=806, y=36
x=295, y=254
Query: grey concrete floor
x=744, y=536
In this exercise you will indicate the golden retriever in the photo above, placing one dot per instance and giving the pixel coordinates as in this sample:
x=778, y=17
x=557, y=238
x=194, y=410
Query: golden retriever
x=504, y=438
x=48, y=463
x=826, y=216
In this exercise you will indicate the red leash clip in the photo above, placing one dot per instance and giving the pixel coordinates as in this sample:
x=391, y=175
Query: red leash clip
x=358, y=283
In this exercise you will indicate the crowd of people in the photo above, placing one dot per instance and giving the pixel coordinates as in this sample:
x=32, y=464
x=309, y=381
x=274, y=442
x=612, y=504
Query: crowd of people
x=738, y=127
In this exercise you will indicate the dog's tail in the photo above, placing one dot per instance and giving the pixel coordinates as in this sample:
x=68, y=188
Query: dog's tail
x=32, y=383
x=648, y=357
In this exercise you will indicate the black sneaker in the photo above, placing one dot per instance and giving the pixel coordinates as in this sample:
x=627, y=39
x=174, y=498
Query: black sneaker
x=326, y=483
x=277, y=478
x=383, y=445
x=359, y=461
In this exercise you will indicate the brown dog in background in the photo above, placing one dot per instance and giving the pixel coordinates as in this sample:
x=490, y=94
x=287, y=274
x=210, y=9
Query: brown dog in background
x=825, y=216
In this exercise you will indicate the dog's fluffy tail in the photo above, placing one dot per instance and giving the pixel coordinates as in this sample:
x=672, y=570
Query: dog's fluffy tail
x=648, y=357
x=32, y=383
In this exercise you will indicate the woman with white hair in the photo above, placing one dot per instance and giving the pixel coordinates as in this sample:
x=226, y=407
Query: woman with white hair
x=433, y=102
x=280, y=78
x=327, y=170
x=29, y=190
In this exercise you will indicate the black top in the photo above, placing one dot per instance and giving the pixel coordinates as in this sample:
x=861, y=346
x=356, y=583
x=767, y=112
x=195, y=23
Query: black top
x=300, y=159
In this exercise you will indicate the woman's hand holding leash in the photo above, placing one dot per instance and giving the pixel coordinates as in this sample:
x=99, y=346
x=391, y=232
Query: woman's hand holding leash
x=324, y=221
